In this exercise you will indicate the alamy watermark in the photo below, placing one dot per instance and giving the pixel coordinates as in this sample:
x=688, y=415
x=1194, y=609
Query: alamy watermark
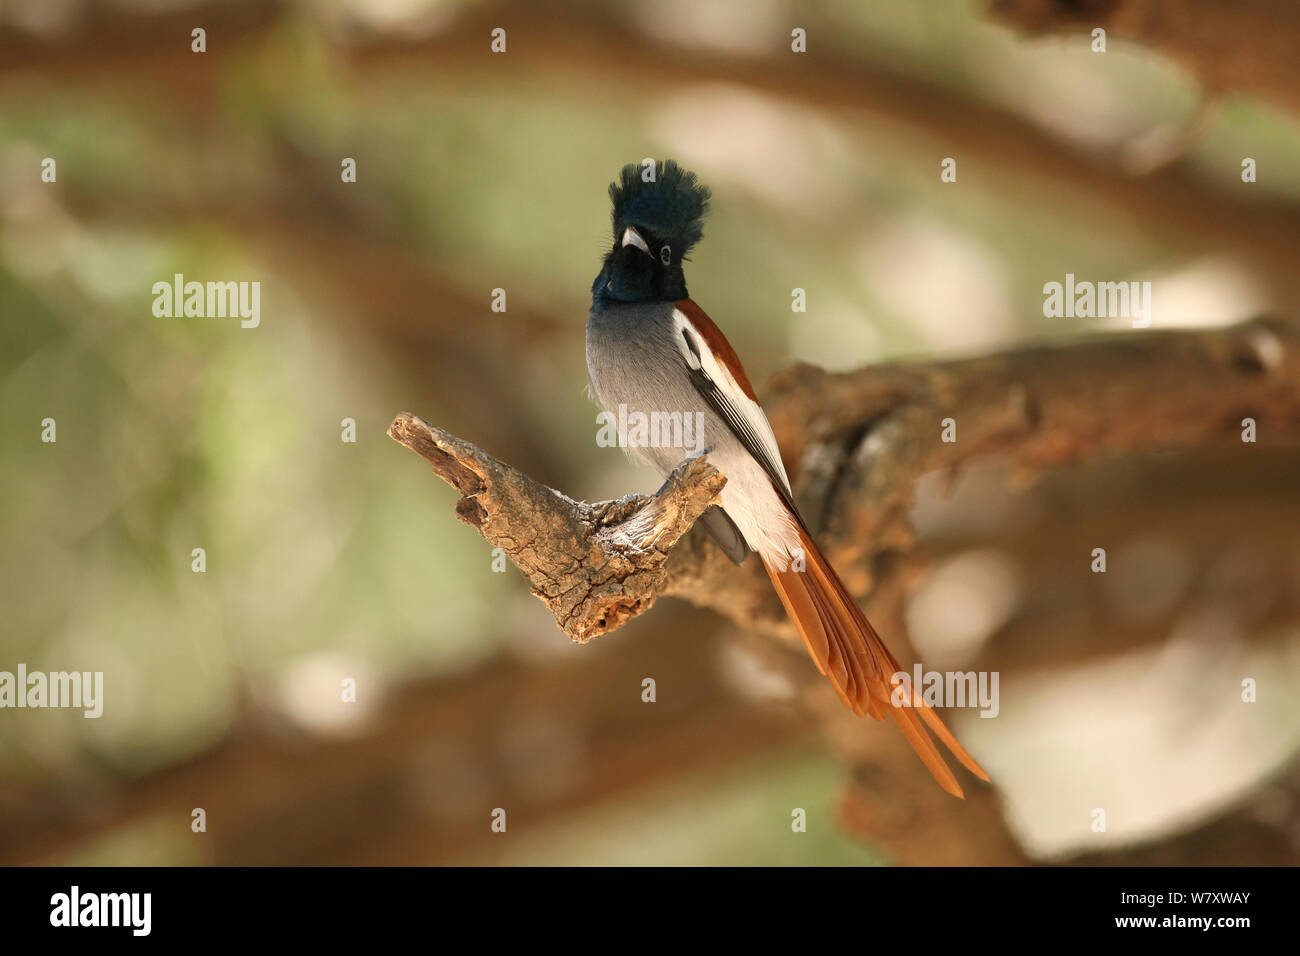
x=53, y=689
x=947, y=689
x=208, y=300
x=133, y=911
x=1098, y=300
x=637, y=429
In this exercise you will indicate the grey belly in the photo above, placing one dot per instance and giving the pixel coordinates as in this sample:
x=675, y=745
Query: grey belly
x=634, y=363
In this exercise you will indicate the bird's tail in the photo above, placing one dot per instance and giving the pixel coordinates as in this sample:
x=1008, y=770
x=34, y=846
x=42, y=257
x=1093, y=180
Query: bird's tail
x=847, y=649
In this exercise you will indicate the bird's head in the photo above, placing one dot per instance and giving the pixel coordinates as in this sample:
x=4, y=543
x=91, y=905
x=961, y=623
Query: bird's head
x=658, y=215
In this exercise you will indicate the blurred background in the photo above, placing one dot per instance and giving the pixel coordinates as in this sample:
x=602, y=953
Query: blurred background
x=329, y=560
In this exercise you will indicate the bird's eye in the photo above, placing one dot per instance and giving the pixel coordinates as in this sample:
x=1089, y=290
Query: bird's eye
x=665, y=254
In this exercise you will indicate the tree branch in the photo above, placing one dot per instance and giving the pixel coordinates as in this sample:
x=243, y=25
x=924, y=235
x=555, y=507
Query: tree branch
x=595, y=566
x=592, y=40
x=857, y=443
x=1237, y=46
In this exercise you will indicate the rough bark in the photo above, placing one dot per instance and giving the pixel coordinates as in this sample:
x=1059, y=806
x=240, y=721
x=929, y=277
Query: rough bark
x=595, y=566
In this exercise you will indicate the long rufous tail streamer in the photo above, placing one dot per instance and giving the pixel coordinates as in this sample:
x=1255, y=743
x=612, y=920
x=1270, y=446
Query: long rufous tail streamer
x=847, y=649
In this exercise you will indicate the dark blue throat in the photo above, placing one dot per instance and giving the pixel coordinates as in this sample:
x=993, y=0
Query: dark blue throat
x=629, y=275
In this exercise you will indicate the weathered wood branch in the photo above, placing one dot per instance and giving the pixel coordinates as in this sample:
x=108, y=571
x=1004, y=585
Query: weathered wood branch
x=594, y=565
x=858, y=442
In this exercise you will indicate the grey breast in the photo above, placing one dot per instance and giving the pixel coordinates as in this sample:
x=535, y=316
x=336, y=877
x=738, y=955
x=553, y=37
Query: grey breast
x=633, y=360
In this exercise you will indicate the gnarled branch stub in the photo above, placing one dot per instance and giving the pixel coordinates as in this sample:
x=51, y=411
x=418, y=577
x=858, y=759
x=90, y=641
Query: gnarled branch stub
x=595, y=565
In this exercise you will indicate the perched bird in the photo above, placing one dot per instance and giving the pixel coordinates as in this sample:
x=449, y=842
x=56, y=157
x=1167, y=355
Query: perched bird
x=651, y=349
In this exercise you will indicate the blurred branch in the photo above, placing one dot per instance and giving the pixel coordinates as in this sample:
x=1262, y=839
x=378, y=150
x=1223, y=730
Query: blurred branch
x=1254, y=831
x=587, y=40
x=581, y=41
x=1228, y=46
x=417, y=782
x=1258, y=830
x=596, y=566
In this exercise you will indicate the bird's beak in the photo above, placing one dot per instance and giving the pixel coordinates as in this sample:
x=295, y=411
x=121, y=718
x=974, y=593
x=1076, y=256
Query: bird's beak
x=633, y=238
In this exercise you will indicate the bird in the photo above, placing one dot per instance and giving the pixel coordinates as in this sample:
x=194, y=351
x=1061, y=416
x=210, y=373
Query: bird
x=651, y=350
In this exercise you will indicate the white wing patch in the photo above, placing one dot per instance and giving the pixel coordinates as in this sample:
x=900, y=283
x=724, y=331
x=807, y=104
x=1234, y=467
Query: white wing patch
x=743, y=414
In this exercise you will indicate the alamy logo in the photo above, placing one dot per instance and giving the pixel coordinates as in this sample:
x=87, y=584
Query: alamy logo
x=1098, y=300
x=208, y=300
x=84, y=689
x=636, y=429
x=75, y=908
x=947, y=689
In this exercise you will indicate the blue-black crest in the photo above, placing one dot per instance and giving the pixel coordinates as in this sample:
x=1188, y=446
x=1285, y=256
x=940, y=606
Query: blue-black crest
x=671, y=207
